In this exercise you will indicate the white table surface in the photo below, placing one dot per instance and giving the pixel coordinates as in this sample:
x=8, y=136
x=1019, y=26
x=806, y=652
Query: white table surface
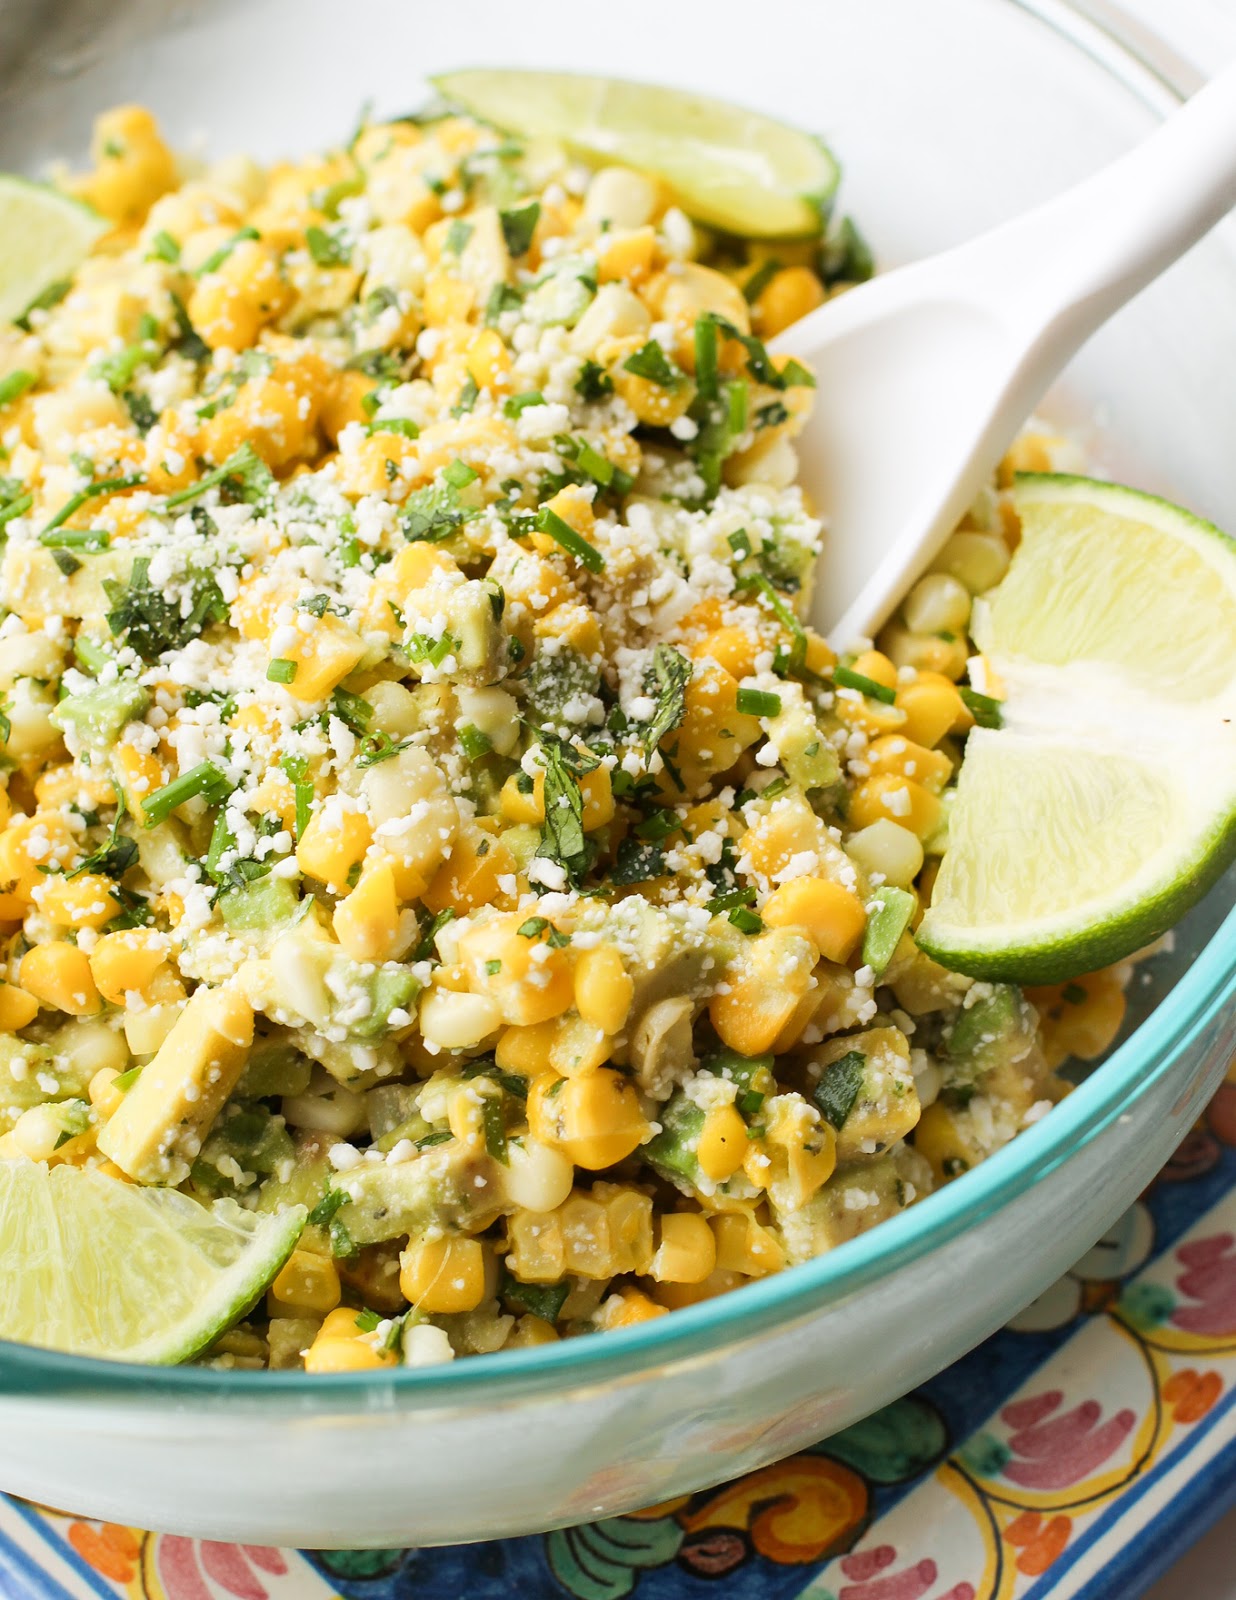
x=1204, y=33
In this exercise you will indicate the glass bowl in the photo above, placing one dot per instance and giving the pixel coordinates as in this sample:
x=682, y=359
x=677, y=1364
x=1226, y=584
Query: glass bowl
x=948, y=118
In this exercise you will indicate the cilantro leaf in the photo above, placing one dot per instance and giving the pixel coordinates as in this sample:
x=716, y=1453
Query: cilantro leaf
x=562, y=833
x=150, y=622
x=667, y=678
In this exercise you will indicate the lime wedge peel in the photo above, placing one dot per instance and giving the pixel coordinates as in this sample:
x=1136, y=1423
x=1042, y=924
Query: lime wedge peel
x=47, y=235
x=97, y=1267
x=1106, y=805
x=728, y=167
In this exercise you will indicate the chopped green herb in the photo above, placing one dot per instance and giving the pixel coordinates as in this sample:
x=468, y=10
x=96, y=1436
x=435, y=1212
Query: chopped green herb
x=401, y=425
x=15, y=508
x=593, y=383
x=839, y=1087
x=518, y=226
x=760, y=279
x=740, y=543
x=164, y=248
x=667, y=678
x=1074, y=994
x=519, y=403
x=495, y=1129
x=281, y=670
x=427, y=949
x=216, y=259
x=92, y=492
x=352, y=710
x=543, y=1300
x=651, y=363
x=502, y=297
x=244, y=466
x=746, y=921
x=327, y=249
x=150, y=622
x=475, y=744
x=730, y=900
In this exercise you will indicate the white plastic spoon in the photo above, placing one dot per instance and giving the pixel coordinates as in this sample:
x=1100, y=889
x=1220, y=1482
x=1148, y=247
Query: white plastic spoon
x=925, y=373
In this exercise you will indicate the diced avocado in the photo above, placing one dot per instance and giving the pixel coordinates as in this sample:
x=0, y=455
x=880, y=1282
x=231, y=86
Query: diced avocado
x=563, y=294
x=390, y=988
x=887, y=919
x=445, y=1185
x=853, y=1200
x=806, y=754
x=391, y=1105
x=673, y=1151
x=305, y=1182
x=248, y=1138
x=996, y=1029
x=97, y=716
x=274, y=1069
x=473, y=638
x=414, y=1128
x=260, y=905
x=159, y=1127
x=27, y=1073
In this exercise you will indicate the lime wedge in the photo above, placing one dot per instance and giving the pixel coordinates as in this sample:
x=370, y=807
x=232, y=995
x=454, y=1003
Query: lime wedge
x=47, y=235
x=1106, y=804
x=728, y=167
x=98, y=1267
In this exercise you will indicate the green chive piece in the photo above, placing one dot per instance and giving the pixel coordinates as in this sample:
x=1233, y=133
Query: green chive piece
x=986, y=711
x=759, y=703
x=847, y=678
x=281, y=670
x=15, y=508
x=91, y=492
x=15, y=385
x=205, y=779
x=164, y=248
x=573, y=543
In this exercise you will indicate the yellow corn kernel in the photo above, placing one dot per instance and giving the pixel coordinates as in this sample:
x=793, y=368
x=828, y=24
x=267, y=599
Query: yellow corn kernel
x=342, y=402
x=573, y=624
x=127, y=962
x=733, y=648
x=59, y=786
x=334, y=1354
x=831, y=915
x=530, y=1331
x=139, y=774
x=1082, y=1017
x=687, y=1252
x=901, y=800
x=787, y=296
x=713, y=733
x=104, y=1095
x=526, y=1050
x=85, y=902
x=762, y=990
x=578, y=1047
x=368, y=923
x=58, y=975
x=446, y=300
x=722, y=1143
x=307, y=1282
x=231, y=306
x=133, y=166
x=468, y=878
x=488, y=360
x=30, y=843
x=932, y=707
x=333, y=843
x=529, y=979
x=604, y=988
x=595, y=1120
x=651, y=403
x=1030, y=453
x=17, y=1008
x=443, y=1275
x=945, y=1140
x=875, y=665
x=743, y=1245
x=896, y=754
x=626, y=255
x=323, y=656
x=627, y=1308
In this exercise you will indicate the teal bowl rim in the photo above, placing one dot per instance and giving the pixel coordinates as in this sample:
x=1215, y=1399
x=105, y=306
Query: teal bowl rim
x=1193, y=1004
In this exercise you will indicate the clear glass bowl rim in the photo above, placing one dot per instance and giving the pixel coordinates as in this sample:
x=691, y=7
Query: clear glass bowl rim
x=1194, y=1004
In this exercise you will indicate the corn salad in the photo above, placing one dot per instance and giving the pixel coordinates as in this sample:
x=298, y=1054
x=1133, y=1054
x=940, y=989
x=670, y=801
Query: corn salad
x=424, y=797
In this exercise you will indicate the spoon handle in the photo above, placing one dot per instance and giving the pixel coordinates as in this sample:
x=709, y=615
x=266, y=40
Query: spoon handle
x=1071, y=263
